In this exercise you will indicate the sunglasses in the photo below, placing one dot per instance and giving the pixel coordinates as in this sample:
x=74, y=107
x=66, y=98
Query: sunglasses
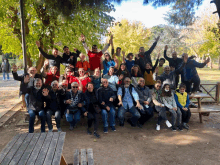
x=105, y=82
x=55, y=84
x=128, y=81
x=32, y=70
x=158, y=86
x=75, y=87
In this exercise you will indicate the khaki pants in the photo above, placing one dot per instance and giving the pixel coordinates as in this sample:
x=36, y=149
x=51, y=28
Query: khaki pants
x=23, y=101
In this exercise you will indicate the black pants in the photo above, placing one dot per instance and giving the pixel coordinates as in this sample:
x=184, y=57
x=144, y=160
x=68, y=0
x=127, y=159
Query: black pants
x=93, y=117
x=116, y=101
x=195, y=81
x=145, y=115
x=185, y=115
x=177, y=80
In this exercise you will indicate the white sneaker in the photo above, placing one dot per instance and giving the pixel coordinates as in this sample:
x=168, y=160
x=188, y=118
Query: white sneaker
x=50, y=130
x=158, y=127
x=168, y=124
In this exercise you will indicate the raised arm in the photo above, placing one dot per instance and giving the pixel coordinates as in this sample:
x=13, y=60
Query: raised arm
x=201, y=65
x=83, y=39
x=153, y=46
x=112, y=51
x=15, y=74
x=185, y=59
x=156, y=63
x=165, y=54
x=42, y=52
x=123, y=57
x=107, y=46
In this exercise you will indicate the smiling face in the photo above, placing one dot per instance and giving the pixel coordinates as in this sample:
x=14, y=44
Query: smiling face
x=81, y=72
x=111, y=71
x=55, y=52
x=157, y=86
x=135, y=69
x=141, y=49
x=32, y=71
x=141, y=82
x=148, y=66
x=105, y=83
x=107, y=57
x=182, y=90
x=94, y=49
x=123, y=67
x=90, y=87
x=82, y=57
x=174, y=55
x=38, y=84
x=55, y=86
x=66, y=50
x=54, y=70
x=127, y=82
x=167, y=70
x=97, y=72
x=75, y=88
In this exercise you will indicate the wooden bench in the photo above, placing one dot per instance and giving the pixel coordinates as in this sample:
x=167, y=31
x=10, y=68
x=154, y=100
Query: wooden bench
x=200, y=110
x=83, y=157
x=34, y=148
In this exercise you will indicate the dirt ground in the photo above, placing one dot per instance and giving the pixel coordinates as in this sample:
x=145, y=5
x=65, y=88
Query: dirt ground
x=136, y=146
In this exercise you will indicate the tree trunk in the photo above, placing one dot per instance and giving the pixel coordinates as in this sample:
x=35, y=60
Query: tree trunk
x=211, y=63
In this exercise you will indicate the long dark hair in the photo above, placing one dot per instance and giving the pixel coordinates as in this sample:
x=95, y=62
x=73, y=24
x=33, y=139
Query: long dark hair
x=119, y=72
x=110, y=59
x=139, y=70
x=164, y=93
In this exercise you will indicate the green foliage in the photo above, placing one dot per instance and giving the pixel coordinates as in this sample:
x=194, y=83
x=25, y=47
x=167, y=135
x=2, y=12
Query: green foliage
x=43, y=22
x=130, y=36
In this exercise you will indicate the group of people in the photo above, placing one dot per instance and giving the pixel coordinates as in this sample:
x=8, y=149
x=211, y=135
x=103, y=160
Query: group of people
x=110, y=87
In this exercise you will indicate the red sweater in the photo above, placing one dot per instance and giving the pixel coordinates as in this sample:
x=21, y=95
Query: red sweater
x=50, y=78
x=95, y=60
x=84, y=83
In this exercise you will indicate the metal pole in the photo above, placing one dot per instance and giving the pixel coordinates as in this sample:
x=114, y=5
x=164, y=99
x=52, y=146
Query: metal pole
x=23, y=37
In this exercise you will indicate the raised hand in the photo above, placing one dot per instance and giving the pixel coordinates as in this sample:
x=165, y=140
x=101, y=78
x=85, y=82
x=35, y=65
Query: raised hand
x=38, y=43
x=123, y=53
x=83, y=38
x=185, y=58
x=45, y=92
x=166, y=47
x=75, y=49
x=46, y=62
x=15, y=68
x=111, y=99
x=157, y=39
x=158, y=56
x=26, y=79
x=207, y=60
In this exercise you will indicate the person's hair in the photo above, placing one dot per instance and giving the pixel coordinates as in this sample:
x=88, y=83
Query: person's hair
x=55, y=49
x=132, y=69
x=88, y=84
x=103, y=80
x=74, y=83
x=94, y=46
x=65, y=47
x=53, y=67
x=157, y=82
x=55, y=81
x=182, y=86
x=118, y=48
x=126, y=78
x=164, y=93
x=141, y=48
x=109, y=57
x=149, y=64
x=130, y=54
x=141, y=79
x=162, y=59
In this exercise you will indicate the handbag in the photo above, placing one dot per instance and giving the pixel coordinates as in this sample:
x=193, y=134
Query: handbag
x=96, y=108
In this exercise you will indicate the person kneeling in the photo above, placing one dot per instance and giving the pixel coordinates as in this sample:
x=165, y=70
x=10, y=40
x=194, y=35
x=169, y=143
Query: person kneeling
x=170, y=103
x=182, y=101
x=75, y=101
x=144, y=99
x=106, y=97
x=53, y=106
x=92, y=109
x=128, y=98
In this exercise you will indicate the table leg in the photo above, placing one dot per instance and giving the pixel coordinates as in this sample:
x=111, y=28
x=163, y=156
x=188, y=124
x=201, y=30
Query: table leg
x=63, y=161
x=199, y=102
x=200, y=117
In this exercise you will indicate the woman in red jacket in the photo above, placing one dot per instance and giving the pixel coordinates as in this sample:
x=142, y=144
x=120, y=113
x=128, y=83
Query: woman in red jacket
x=51, y=75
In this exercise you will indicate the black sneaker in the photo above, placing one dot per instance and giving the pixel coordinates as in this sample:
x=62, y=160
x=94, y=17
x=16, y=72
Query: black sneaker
x=71, y=128
x=105, y=129
x=89, y=132
x=173, y=128
x=130, y=122
x=96, y=135
x=113, y=128
x=180, y=128
x=139, y=125
x=121, y=124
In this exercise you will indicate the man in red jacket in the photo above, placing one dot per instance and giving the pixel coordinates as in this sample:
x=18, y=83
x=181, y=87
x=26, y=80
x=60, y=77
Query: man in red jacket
x=94, y=55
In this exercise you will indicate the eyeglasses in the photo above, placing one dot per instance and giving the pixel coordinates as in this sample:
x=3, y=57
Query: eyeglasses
x=105, y=82
x=94, y=48
x=55, y=84
x=32, y=70
x=127, y=81
x=158, y=86
x=75, y=87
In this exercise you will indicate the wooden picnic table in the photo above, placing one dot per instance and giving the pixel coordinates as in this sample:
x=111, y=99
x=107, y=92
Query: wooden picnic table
x=201, y=110
x=34, y=149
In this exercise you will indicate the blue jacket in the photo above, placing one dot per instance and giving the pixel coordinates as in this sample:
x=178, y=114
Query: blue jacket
x=189, y=71
x=104, y=94
x=107, y=65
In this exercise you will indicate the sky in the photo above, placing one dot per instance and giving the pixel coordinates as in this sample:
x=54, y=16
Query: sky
x=133, y=10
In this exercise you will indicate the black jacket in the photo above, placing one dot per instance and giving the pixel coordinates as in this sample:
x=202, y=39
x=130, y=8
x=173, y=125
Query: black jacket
x=24, y=87
x=67, y=59
x=81, y=99
x=104, y=94
x=91, y=100
x=53, y=101
x=36, y=99
x=146, y=58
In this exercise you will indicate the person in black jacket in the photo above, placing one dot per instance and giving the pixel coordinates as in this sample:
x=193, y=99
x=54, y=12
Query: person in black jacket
x=30, y=76
x=144, y=57
x=75, y=101
x=35, y=106
x=55, y=59
x=106, y=97
x=174, y=62
x=70, y=57
x=92, y=109
x=53, y=106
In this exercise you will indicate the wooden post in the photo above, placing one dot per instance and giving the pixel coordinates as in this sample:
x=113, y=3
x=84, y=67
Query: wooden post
x=217, y=92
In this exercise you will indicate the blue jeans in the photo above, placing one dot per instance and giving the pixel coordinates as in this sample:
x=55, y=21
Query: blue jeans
x=32, y=119
x=49, y=114
x=26, y=98
x=4, y=75
x=111, y=117
x=73, y=119
x=135, y=114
